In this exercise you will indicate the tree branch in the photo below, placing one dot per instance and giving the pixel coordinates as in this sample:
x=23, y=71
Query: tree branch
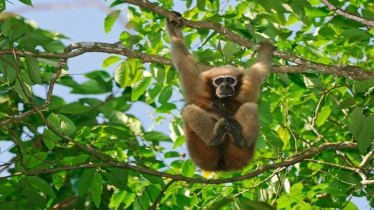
x=305, y=66
x=296, y=158
x=77, y=49
x=367, y=22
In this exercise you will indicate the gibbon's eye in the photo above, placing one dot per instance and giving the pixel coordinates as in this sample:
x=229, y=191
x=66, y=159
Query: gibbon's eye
x=231, y=81
x=217, y=81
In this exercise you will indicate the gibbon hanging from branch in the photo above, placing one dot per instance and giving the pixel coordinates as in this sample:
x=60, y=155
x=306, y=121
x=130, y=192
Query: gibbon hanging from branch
x=221, y=117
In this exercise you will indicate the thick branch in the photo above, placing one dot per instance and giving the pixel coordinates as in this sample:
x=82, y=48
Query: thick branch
x=76, y=49
x=351, y=72
x=367, y=22
x=296, y=158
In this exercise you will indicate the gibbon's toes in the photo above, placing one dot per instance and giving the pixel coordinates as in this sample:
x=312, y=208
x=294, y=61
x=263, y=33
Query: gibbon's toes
x=239, y=141
x=233, y=127
x=218, y=139
x=178, y=23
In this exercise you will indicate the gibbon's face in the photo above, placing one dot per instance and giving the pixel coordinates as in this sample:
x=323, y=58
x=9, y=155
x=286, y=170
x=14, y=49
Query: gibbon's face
x=225, y=85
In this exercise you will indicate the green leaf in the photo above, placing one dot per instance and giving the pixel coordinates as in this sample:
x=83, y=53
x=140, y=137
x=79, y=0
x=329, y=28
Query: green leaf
x=85, y=181
x=34, y=39
x=158, y=72
x=188, y=168
x=110, y=61
x=2, y=6
x=55, y=46
x=97, y=189
x=156, y=136
x=165, y=94
x=166, y=108
x=110, y=20
x=347, y=103
x=171, y=154
x=50, y=139
x=128, y=199
x=117, y=199
x=179, y=142
x=154, y=179
x=41, y=185
x=120, y=178
x=355, y=120
x=323, y=115
x=33, y=197
x=62, y=123
x=316, y=12
x=122, y=74
x=153, y=92
x=364, y=85
x=58, y=179
x=230, y=49
x=170, y=76
x=74, y=108
x=365, y=138
x=139, y=87
x=33, y=69
x=6, y=67
x=79, y=159
x=21, y=91
x=13, y=28
x=222, y=203
x=27, y=2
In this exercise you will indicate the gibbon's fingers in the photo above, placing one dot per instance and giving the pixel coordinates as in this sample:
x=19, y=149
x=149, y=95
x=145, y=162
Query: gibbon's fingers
x=218, y=133
x=248, y=117
x=200, y=122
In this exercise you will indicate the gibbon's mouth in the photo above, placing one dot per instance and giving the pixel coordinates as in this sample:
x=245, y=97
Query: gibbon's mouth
x=224, y=94
x=225, y=91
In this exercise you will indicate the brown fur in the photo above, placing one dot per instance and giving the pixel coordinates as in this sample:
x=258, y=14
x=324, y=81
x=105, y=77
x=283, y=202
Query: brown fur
x=204, y=114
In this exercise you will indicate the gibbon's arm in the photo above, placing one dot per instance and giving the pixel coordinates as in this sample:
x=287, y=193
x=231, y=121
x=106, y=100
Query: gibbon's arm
x=182, y=60
x=255, y=75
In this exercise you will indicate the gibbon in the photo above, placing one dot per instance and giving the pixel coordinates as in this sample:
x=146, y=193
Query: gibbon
x=221, y=117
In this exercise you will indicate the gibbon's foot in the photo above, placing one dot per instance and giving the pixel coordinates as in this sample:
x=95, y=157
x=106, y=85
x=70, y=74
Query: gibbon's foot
x=218, y=139
x=233, y=127
x=178, y=24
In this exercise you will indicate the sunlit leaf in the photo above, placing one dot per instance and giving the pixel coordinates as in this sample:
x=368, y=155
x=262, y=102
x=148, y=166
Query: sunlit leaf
x=111, y=19
x=110, y=61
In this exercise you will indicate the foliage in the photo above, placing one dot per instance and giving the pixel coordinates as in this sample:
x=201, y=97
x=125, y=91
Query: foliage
x=93, y=153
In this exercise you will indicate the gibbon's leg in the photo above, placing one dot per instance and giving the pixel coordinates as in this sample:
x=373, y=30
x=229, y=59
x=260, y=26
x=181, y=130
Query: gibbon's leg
x=248, y=117
x=200, y=122
x=189, y=73
x=256, y=74
x=236, y=158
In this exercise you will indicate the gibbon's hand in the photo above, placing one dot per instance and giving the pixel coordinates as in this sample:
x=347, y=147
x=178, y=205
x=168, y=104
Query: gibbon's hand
x=175, y=23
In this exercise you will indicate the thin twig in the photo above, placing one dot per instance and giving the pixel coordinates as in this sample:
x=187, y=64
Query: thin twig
x=367, y=22
x=296, y=158
x=158, y=199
